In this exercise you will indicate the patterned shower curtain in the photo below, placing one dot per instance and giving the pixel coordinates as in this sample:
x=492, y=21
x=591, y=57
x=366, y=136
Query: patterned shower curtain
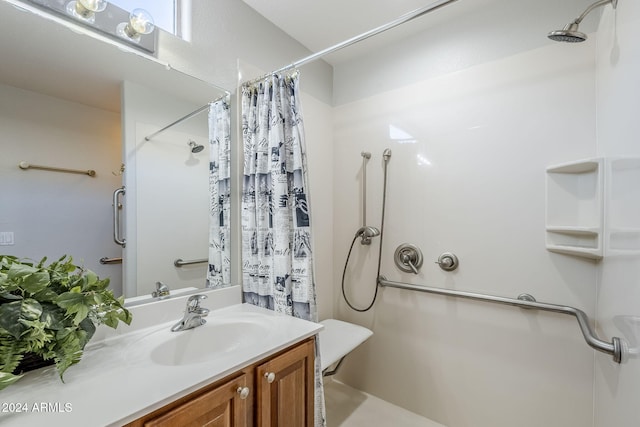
x=277, y=263
x=219, y=272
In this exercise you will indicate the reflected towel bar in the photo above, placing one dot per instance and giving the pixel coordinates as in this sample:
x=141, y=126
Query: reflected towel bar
x=105, y=260
x=180, y=262
x=25, y=166
x=614, y=348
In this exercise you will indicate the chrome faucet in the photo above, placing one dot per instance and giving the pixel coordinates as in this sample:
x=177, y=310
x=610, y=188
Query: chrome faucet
x=193, y=315
x=161, y=292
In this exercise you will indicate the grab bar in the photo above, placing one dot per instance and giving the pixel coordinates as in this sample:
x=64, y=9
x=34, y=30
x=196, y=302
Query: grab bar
x=116, y=218
x=614, y=348
x=24, y=166
x=105, y=260
x=179, y=262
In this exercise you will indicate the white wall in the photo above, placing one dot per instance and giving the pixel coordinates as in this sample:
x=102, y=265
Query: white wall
x=227, y=31
x=54, y=213
x=468, y=176
x=617, y=387
x=317, y=125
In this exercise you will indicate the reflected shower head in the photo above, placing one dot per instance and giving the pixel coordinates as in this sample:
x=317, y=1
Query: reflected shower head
x=570, y=33
x=195, y=147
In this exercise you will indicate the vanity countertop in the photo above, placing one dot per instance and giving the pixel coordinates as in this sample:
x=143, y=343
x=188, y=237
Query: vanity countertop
x=124, y=377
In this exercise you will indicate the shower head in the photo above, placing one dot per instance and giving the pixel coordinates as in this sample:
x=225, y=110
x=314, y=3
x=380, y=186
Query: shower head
x=570, y=33
x=195, y=147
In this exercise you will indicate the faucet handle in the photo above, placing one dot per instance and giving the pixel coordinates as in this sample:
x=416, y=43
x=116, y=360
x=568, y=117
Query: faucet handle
x=193, y=303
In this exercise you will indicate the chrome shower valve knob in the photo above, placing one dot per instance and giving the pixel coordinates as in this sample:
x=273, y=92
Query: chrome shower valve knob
x=448, y=261
x=408, y=258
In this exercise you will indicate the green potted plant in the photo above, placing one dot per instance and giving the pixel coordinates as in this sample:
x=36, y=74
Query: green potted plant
x=50, y=312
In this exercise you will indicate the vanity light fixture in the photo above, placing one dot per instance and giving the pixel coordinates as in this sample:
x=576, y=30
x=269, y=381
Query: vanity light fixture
x=134, y=29
x=86, y=9
x=140, y=22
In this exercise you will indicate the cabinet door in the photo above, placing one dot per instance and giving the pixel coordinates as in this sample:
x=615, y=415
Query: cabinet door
x=223, y=406
x=285, y=388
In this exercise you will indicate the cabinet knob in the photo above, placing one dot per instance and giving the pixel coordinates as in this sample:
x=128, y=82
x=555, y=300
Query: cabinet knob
x=243, y=392
x=270, y=376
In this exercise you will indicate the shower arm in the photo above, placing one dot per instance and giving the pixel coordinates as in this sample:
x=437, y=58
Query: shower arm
x=595, y=5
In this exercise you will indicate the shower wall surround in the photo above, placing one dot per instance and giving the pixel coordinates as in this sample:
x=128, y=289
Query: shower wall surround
x=467, y=175
x=618, y=101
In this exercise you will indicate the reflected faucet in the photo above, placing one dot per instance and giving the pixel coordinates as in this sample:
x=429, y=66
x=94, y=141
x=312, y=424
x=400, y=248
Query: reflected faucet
x=161, y=292
x=193, y=315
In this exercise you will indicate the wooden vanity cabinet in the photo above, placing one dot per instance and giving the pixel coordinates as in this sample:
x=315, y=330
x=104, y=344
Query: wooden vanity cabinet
x=218, y=405
x=275, y=392
x=285, y=388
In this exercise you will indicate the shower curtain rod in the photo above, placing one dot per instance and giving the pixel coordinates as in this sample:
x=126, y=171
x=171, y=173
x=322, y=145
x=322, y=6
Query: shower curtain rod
x=381, y=29
x=188, y=116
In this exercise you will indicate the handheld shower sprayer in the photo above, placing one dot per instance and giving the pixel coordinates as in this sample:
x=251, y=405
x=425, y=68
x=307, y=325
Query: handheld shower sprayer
x=366, y=233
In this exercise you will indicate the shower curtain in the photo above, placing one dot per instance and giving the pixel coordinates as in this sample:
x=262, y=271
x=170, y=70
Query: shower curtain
x=219, y=271
x=277, y=263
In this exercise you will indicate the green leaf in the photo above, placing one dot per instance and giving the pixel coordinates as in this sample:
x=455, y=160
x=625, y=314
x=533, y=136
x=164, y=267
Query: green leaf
x=9, y=296
x=28, y=278
x=6, y=379
x=11, y=314
x=88, y=326
x=36, y=336
x=74, y=303
x=46, y=295
x=68, y=350
x=53, y=316
x=11, y=353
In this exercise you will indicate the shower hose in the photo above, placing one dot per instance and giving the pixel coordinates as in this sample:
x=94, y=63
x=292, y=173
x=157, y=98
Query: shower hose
x=346, y=263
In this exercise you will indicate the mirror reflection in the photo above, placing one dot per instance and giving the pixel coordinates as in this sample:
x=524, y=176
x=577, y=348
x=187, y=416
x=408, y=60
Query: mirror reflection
x=70, y=101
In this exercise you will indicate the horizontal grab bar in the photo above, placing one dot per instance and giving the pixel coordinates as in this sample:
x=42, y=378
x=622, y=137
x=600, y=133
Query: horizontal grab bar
x=179, y=262
x=105, y=260
x=25, y=166
x=614, y=348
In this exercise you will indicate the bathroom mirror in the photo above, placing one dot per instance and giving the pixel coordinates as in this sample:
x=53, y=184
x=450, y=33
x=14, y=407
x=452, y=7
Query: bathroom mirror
x=72, y=101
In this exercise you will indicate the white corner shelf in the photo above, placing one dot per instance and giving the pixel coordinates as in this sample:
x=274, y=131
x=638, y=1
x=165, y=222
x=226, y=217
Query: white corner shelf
x=574, y=208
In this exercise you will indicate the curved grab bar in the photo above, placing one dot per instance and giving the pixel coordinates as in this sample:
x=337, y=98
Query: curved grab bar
x=116, y=218
x=614, y=348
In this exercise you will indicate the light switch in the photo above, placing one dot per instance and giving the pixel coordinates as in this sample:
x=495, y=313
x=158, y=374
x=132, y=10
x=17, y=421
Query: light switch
x=6, y=238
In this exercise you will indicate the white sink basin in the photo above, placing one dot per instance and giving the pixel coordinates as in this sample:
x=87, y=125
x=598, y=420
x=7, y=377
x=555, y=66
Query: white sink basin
x=213, y=339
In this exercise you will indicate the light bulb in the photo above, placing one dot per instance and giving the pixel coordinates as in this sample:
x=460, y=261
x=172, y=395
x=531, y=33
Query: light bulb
x=140, y=22
x=86, y=9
